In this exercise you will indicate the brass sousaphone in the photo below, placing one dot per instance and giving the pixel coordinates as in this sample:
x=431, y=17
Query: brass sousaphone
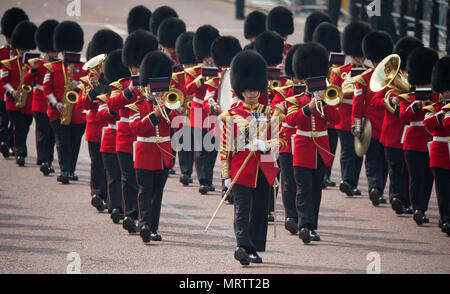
x=388, y=75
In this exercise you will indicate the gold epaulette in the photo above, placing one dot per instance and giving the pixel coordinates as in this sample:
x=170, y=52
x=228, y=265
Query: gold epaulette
x=117, y=85
x=49, y=66
x=223, y=116
x=102, y=98
x=293, y=99
x=280, y=90
x=289, y=83
x=405, y=96
x=175, y=76
x=85, y=80
x=191, y=71
x=133, y=107
x=7, y=62
x=81, y=87
x=212, y=83
x=335, y=71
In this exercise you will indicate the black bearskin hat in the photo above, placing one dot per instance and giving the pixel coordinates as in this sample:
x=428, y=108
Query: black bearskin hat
x=352, y=38
x=23, y=36
x=169, y=30
x=377, y=45
x=255, y=24
x=113, y=68
x=10, y=19
x=89, y=51
x=405, y=46
x=310, y=60
x=420, y=65
x=248, y=72
x=155, y=65
x=138, y=18
x=69, y=36
x=270, y=45
x=280, y=20
x=159, y=15
x=223, y=49
x=104, y=41
x=312, y=21
x=185, y=49
x=329, y=36
x=137, y=44
x=440, y=77
x=44, y=35
x=203, y=39
x=288, y=66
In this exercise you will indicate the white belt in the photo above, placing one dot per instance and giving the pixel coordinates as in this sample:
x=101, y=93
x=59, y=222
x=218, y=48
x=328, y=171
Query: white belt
x=347, y=101
x=312, y=134
x=124, y=119
x=441, y=139
x=287, y=126
x=416, y=124
x=199, y=101
x=40, y=87
x=153, y=139
x=112, y=126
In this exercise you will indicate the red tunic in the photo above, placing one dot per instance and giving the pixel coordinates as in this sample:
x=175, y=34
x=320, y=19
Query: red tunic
x=5, y=53
x=345, y=109
x=198, y=90
x=438, y=148
x=11, y=75
x=36, y=78
x=54, y=84
x=416, y=136
x=446, y=121
x=153, y=149
x=109, y=131
x=232, y=158
x=312, y=132
x=267, y=97
x=288, y=131
x=361, y=105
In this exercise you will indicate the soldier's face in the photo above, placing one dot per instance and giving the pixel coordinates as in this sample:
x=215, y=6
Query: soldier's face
x=251, y=96
x=134, y=70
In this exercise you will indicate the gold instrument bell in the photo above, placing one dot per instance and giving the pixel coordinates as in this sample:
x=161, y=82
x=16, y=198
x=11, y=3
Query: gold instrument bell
x=388, y=75
x=95, y=67
x=173, y=99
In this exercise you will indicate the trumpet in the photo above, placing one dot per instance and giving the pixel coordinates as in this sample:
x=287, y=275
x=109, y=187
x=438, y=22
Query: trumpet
x=173, y=99
x=333, y=96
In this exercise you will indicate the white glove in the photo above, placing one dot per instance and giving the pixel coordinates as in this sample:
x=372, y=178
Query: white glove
x=260, y=145
x=227, y=182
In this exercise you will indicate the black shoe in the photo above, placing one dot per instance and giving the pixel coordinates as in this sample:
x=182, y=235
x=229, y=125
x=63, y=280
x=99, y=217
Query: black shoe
x=63, y=178
x=418, y=217
x=356, y=192
x=184, y=179
x=314, y=236
x=115, y=216
x=382, y=200
x=329, y=182
x=20, y=161
x=426, y=220
x=242, y=256
x=229, y=197
x=446, y=228
x=171, y=171
x=130, y=225
x=203, y=189
x=211, y=188
x=45, y=169
x=291, y=225
x=97, y=202
x=305, y=235
x=270, y=217
x=374, y=196
x=145, y=234
x=4, y=149
x=397, y=205
x=52, y=169
x=346, y=188
x=39, y=162
x=11, y=152
x=190, y=180
x=254, y=258
x=73, y=177
x=407, y=210
x=155, y=236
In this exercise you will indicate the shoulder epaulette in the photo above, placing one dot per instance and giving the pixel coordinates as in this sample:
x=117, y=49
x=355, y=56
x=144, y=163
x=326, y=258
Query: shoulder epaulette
x=280, y=90
x=117, y=85
x=293, y=99
x=102, y=98
x=289, y=83
x=212, y=82
x=360, y=80
x=49, y=66
x=7, y=62
x=406, y=96
x=85, y=80
x=176, y=74
x=191, y=71
x=133, y=107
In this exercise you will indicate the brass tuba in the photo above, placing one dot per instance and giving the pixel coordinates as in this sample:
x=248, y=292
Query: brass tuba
x=70, y=97
x=23, y=89
x=388, y=75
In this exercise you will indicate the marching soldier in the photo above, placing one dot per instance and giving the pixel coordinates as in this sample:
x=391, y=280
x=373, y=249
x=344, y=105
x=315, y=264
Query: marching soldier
x=342, y=77
x=138, y=18
x=187, y=59
x=9, y=21
x=94, y=84
x=115, y=73
x=281, y=20
x=311, y=145
x=150, y=122
x=168, y=32
x=329, y=36
x=420, y=65
x=391, y=135
x=248, y=164
x=440, y=146
x=312, y=22
x=376, y=46
x=60, y=88
x=45, y=141
x=136, y=45
x=195, y=85
x=19, y=97
x=255, y=24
